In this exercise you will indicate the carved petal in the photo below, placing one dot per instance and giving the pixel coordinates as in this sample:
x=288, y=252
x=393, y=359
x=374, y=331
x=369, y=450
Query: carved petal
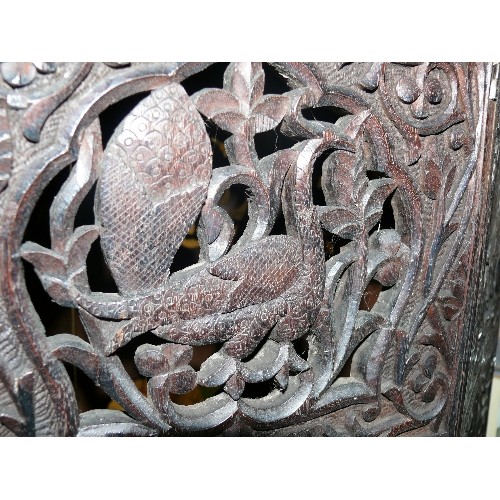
x=231, y=121
x=374, y=198
x=209, y=413
x=245, y=80
x=431, y=179
x=266, y=363
x=340, y=221
x=46, y=261
x=268, y=112
x=150, y=360
x=388, y=273
x=182, y=380
x=79, y=246
x=99, y=423
x=18, y=74
x=211, y=102
x=216, y=370
x=278, y=405
x=235, y=387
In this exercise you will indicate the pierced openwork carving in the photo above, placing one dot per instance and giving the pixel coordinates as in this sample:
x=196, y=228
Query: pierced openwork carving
x=347, y=298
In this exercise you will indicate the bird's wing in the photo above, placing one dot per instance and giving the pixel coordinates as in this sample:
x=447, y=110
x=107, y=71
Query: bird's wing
x=266, y=268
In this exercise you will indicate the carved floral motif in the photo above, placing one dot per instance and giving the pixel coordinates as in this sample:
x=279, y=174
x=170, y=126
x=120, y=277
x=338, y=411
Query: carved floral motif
x=407, y=145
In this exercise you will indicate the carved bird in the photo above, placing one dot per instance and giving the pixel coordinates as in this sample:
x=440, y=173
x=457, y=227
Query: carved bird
x=147, y=202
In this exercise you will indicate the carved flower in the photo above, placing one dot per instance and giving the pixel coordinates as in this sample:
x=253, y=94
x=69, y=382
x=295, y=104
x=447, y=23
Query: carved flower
x=242, y=103
x=274, y=360
x=425, y=379
x=167, y=365
x=20, y=74
x=354, y=203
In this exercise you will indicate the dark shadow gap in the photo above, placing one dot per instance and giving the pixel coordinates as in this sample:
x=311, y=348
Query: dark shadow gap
x=329, y=114
x=99, y=275
x=274, y=83
x=387, y=220
x=210, y=77
x=217, y=138
x=38, y=228
x=197, y=395
x=234, y=201
x=370, y=295
x=259, y=390
x=112, y=116
x=346, y=370
x=332, y=244
x=85, y=213
x=267, y=143
x=317, y=190
x=189, y=251
x=301, y=347
x=279, y=226
x=373, y=174
x=202, y=352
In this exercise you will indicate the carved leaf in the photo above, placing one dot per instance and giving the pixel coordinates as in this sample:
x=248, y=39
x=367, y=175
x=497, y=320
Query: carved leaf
x=81, y=179
x=155, y=175
x=212, y=102
x=365, y=198
x=245, y=80
x=79, y=246
x=268, y=112
x=46, y=261
x=343, y=178
x=241, y=103
x=341, y=221
x=100, y=423
x=216, y=370
x=232, y=121
x=377, y=192
x=109, y=373
x=431, y=179
x=450, y=177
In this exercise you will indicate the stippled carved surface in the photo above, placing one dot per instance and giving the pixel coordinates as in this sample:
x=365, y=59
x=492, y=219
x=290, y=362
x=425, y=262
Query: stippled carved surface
x=159, y=160
x=345, y=306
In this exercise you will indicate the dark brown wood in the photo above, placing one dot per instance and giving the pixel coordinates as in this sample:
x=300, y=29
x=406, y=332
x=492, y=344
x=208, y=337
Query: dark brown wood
x=360, y=298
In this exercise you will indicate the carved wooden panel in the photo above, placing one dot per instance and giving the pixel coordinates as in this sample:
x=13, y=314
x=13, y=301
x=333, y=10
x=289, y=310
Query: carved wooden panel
x=358, y=299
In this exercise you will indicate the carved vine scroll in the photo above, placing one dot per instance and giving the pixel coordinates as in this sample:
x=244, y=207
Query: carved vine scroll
x=350, y=299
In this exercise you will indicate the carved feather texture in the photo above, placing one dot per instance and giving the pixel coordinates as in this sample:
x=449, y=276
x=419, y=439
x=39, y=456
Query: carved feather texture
x=155, y=174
